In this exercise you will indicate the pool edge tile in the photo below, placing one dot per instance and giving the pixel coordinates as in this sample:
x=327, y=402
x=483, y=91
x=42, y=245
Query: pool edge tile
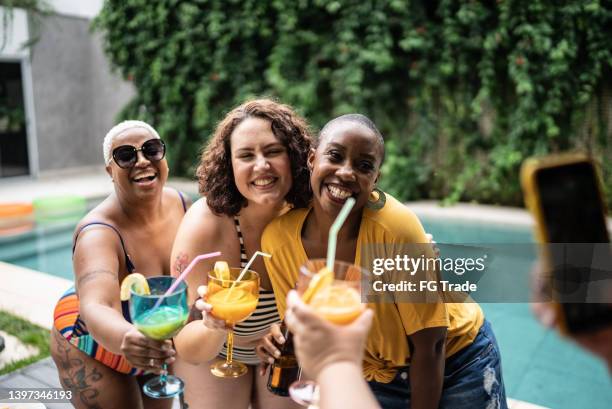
x=30, y=294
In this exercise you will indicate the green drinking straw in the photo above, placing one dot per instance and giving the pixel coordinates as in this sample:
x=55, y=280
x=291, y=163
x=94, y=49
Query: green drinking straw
x=245, y=269
x=333, y=232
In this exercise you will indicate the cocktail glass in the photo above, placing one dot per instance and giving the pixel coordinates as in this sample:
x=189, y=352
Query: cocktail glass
x=161, y=323
x=232, y=301
x=339, y=302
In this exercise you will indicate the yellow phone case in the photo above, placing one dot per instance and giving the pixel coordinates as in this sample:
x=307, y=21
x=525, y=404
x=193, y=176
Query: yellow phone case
x=529, y=169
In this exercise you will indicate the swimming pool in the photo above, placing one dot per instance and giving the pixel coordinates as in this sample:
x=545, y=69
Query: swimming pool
x=45, y=248
x=539, y=366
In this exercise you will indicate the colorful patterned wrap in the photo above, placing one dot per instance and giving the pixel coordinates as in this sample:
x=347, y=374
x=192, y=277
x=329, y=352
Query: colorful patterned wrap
x=67, y=321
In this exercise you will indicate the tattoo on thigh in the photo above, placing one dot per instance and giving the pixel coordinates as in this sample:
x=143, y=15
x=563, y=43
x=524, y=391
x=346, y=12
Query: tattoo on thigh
x=75, y=376
x=90, y=275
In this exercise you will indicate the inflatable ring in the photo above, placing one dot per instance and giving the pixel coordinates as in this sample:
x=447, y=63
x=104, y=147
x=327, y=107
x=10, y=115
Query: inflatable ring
x=16, y=218
x=59, y=208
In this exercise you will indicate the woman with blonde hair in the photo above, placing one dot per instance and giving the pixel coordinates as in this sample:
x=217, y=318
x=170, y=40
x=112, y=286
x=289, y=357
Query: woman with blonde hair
x=100, y=356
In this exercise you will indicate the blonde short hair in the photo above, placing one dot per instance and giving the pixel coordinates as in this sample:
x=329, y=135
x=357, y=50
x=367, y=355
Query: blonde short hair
x=119, y=129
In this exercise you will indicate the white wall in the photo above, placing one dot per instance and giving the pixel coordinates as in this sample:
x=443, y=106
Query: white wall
x=71, y=95
x=17, y=35
x=76, y=95
x=77, y=8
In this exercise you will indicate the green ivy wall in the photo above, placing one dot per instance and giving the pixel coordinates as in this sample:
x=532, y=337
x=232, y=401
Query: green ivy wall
x=462, y=90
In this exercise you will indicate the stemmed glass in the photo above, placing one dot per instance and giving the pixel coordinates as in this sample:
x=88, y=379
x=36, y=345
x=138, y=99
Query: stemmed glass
x=337, y=299
x=160, y=323
x=232, y=301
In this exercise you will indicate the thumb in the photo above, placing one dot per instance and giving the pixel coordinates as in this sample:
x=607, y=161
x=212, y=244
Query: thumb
x=293, y=299
x=203, y=306
x=364, y=321
x=202, y=290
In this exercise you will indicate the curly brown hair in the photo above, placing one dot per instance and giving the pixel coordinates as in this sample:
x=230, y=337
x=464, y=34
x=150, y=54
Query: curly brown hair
x=215, y=173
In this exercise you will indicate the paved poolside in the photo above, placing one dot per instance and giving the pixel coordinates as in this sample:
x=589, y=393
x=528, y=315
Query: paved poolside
x=42, y=374
x=89, y=182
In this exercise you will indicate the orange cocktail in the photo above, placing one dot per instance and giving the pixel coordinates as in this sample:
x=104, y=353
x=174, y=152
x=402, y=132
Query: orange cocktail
x=233, y=301
x=334, y=295
x=233, y=305
x=340, y=303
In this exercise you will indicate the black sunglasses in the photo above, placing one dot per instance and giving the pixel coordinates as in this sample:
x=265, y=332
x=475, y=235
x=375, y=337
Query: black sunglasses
x=126, y=156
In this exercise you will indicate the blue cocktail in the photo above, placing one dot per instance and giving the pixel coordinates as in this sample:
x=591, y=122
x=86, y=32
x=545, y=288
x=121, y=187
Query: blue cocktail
x=160, y=323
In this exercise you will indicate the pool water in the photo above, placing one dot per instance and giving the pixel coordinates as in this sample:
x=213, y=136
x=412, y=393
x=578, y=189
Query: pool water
x=46, y=248
x=538, y=366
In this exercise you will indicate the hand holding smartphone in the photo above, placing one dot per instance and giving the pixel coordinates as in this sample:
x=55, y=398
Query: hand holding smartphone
x=564, y=194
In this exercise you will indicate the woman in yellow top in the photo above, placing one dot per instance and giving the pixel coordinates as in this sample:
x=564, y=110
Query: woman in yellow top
x=424, y=355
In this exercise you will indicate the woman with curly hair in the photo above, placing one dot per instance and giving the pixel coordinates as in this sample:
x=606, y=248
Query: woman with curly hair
x=252, y=170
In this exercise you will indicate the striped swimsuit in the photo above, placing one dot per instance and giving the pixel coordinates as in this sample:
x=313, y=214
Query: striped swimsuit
x=67, y=320
x=260, y=321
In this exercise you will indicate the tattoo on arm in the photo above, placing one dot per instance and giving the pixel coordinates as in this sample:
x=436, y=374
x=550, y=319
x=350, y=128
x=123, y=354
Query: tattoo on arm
x=91, y=275
x=181, y=262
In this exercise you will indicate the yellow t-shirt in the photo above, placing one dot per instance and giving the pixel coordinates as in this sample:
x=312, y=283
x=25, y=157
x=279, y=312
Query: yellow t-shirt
x=387, y=344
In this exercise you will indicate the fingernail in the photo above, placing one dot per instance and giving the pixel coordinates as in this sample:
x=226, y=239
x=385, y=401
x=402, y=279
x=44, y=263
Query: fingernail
x=292, y=297
x=548, y=318
x=271, y=360
x=170, y=360
x=165, y=347
x=281, y=339
x=277, y=354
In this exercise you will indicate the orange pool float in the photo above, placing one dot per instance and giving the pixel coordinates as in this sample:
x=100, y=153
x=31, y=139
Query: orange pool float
x=16, y=218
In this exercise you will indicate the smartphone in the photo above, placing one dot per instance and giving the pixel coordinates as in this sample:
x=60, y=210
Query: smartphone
x=565, y=195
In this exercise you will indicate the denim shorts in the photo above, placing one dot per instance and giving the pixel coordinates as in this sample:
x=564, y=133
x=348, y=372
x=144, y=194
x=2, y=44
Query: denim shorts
x=472, y=379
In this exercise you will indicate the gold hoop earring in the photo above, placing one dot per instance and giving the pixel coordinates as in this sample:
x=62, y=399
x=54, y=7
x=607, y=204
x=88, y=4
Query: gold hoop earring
x=377, y=199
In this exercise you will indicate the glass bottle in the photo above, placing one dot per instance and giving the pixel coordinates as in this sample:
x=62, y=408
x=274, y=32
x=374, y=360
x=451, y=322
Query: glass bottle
x=285, y=369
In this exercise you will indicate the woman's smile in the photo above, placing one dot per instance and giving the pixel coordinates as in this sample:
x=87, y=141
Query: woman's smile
x=144, y=176
x=262, y=171
x=145, y=179
x=345, y=164
x=264, y=182
x=338, y=193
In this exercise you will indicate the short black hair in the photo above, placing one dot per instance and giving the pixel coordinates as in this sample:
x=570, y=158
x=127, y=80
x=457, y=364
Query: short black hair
x=356, y=118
